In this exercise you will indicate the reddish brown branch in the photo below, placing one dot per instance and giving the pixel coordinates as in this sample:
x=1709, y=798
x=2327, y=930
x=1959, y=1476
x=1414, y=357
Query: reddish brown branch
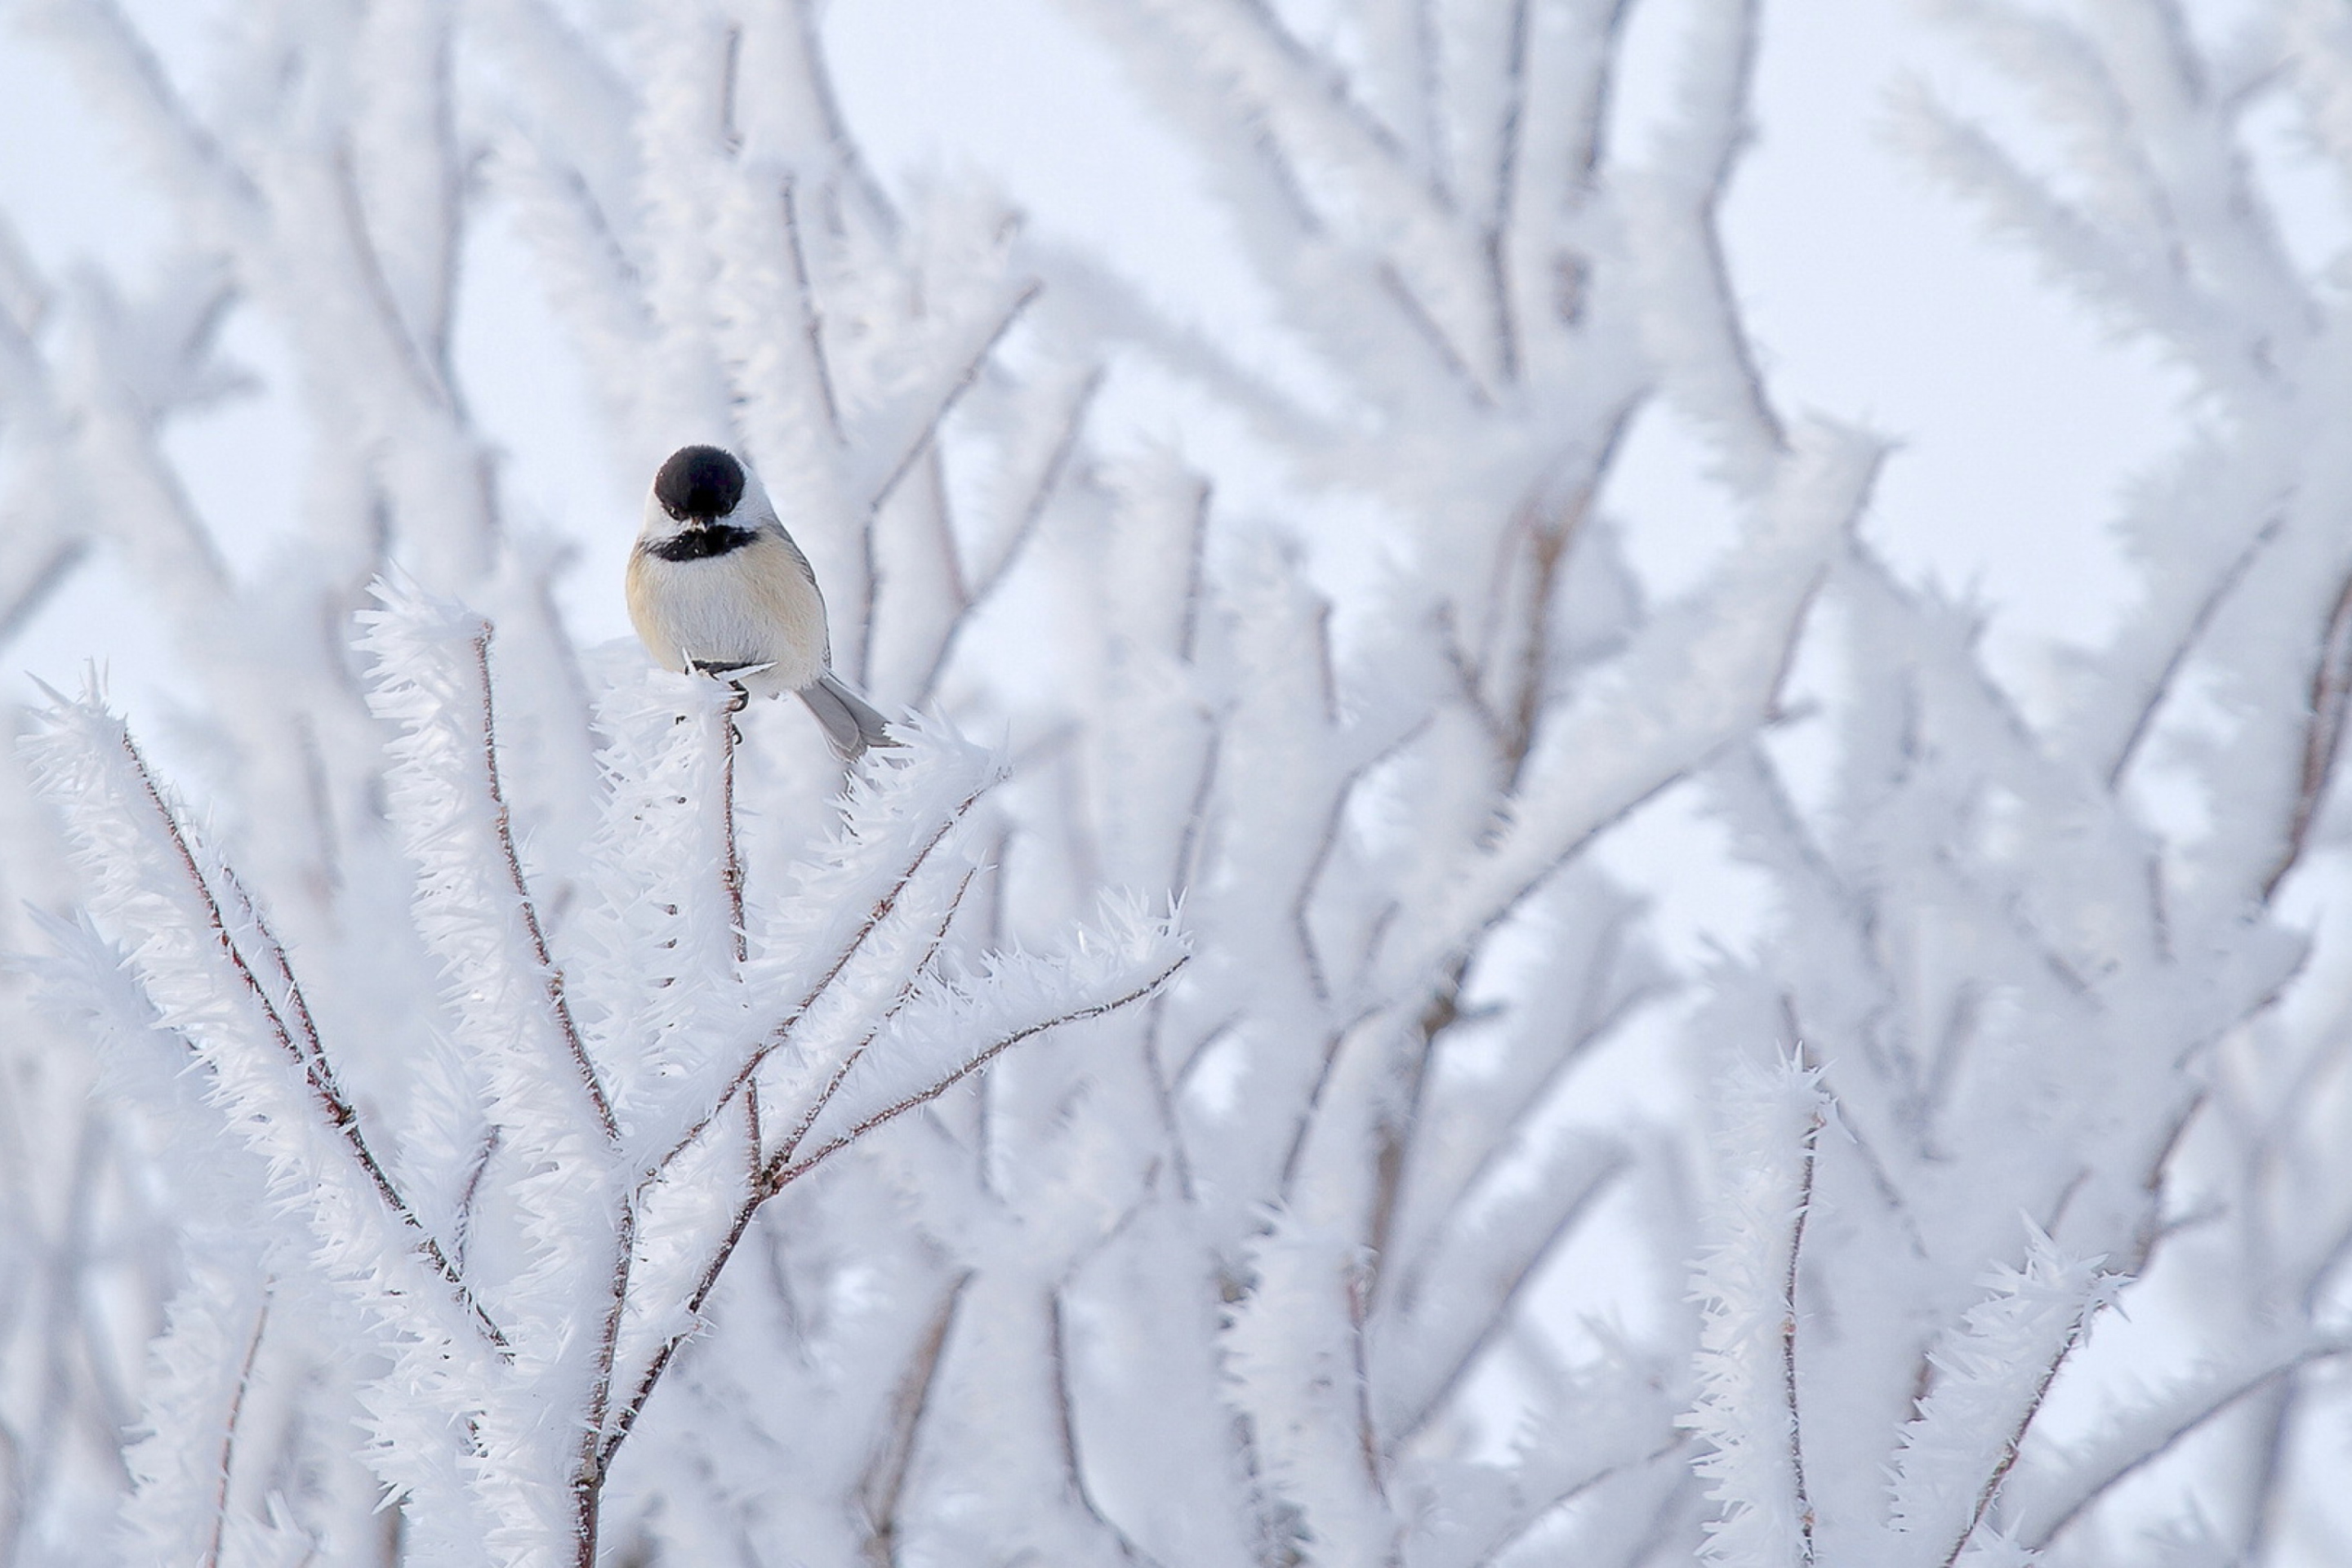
x=731, y=873
x=588, y=1474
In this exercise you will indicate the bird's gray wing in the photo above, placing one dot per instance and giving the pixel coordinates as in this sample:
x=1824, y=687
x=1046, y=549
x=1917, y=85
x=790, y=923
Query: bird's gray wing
x=801, y=559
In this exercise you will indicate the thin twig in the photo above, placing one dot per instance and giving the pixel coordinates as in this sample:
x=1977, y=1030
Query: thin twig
x=1194, y=1057
x=452, y=164
x=2263, y=1487
x=1426, y=325
x=812, y=318
x=1182, y=873
x=1315, y=80
x=1163, y=1098
x=928, y=431
x=2008, y=1449
x=819, y=85
x=1025, y=528
x=1397, y=1129
x=43, y=581
x=1195, y=571
x=1066, y=1427
x=588, y=1473
x=228, y=1431
x=731, y=873
x=1811, y=1147
x=1506, y=1296
x=1576, y=1490
x=166, y=114
x=376, y=287
x=551, y=977
x=1497, y=238
x=754, y=1132
x=464, y=1219
x=2090, y=1492
x=2160, y=689
x=885, y=1473
x=730, y=72
x=297, y=1005
x=1358, y=1288
x=2331, y=686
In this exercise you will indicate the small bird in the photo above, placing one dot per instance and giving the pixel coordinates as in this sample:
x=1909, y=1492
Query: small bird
x=717, y=587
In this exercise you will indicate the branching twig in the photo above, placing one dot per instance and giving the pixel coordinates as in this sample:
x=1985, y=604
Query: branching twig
x=781, y=1173
x=781, y=1032
x=2088, y=1491
x=315, y=1068
x=915, y=977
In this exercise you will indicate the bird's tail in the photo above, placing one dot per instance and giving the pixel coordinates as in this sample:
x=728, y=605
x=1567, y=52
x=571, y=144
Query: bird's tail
x=850, y=721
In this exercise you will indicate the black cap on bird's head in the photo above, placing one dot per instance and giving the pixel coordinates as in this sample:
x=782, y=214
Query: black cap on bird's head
x=700, y=484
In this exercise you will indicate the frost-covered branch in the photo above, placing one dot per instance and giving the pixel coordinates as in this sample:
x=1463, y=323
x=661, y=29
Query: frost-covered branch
x=1749, y=1412
x=1354, y=1225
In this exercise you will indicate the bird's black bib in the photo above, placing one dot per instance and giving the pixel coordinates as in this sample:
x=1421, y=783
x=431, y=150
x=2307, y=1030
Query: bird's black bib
x=701, y=543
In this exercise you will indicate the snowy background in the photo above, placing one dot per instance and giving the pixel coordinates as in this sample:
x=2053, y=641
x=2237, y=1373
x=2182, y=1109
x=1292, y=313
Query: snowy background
x=1755, y=975
x=1871, y=292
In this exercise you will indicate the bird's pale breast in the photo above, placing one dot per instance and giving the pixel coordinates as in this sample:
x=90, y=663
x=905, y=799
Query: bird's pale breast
x=756, y=605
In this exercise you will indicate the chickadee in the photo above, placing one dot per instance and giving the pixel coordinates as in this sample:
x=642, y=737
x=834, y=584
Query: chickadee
x=717, y=587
